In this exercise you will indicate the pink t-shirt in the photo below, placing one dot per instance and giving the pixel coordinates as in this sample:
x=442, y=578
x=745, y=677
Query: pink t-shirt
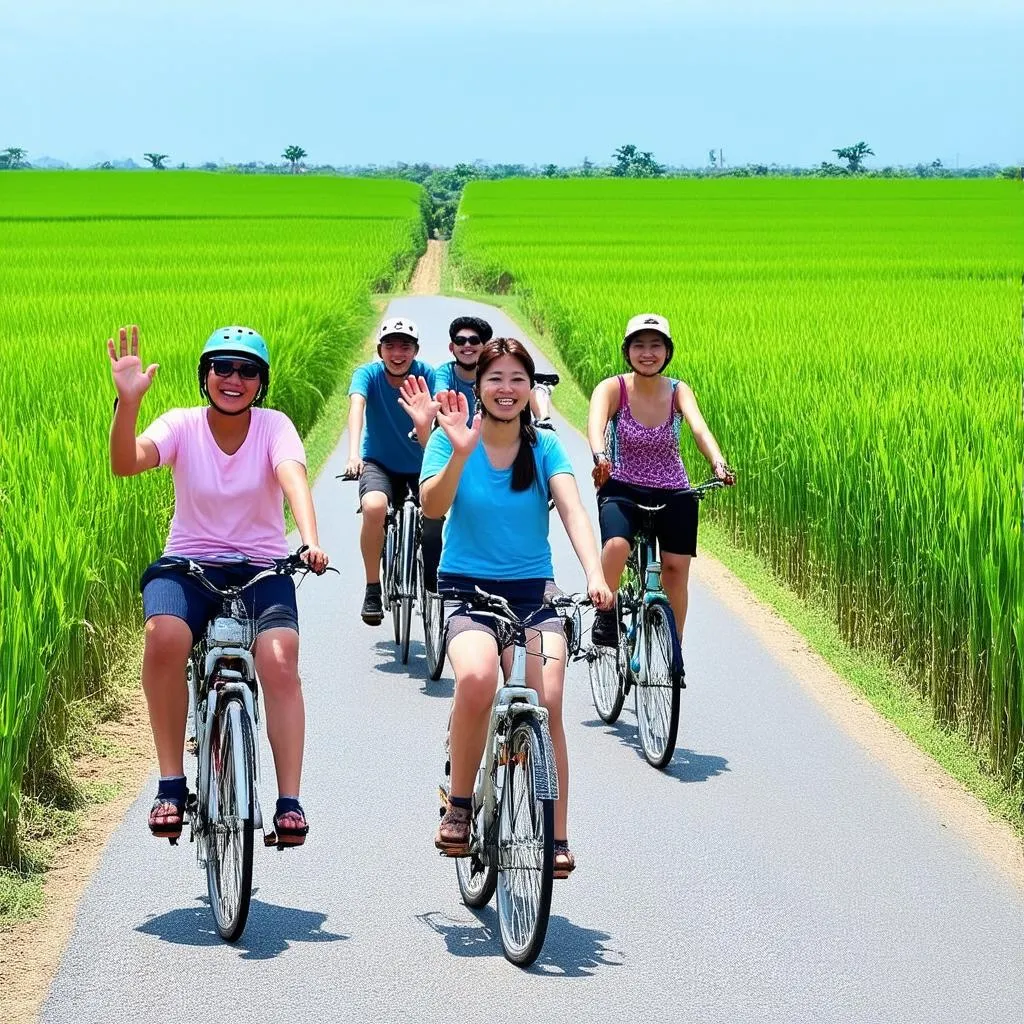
x=226, y=506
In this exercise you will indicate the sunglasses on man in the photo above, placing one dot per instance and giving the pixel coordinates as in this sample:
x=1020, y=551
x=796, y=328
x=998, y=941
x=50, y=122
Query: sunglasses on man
x=226, y=367
x=472, y=340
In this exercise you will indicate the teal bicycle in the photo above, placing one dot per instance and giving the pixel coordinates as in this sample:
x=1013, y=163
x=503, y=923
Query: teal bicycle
x=648, y=659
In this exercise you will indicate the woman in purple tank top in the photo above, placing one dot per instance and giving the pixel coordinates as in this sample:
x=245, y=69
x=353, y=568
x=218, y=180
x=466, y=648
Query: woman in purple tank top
x=633, y=428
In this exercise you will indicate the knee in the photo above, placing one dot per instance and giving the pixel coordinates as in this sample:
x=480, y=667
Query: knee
x=474, y=693
x=168, y=641
x=675, y=574
x=374, y=506
x=616, y=547
x=277, y=661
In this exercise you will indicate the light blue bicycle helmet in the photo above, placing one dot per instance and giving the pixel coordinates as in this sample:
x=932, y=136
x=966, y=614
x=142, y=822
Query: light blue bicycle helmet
x=239, y=341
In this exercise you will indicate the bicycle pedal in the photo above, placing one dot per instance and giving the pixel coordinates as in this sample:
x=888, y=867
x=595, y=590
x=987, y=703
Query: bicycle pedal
x=270, y=839
x=173, y=840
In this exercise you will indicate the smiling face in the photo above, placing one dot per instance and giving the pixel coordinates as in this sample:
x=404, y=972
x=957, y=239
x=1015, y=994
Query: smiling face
x=648, y=353
x=398, y=352
x=505, y=388
x=466, y=347
x=229, y=391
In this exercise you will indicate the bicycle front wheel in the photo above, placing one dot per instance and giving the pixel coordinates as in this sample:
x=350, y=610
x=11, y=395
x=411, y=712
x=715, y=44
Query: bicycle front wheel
x=658, y=687
x=230, y=821
x=526, y=831
x=605, y=683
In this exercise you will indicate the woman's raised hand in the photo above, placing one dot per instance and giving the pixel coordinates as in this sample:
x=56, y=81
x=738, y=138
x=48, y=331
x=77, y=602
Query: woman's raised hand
x=131, y=381
x=414, y=398
x=452, y=416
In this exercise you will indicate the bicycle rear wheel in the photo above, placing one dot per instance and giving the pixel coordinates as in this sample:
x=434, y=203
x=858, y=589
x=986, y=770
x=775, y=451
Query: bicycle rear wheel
x=605, y=684
x=230, y=821
x=658, y=687
x=477, y=881
x=406, y=580
x=432, y=612
x=526, y=830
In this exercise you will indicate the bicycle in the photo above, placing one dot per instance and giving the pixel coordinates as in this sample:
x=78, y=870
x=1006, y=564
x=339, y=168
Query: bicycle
x=511, y=847
x=401, y=564
x=544, y=384
x=224, y=810
x=431, y=611
x=648, y=656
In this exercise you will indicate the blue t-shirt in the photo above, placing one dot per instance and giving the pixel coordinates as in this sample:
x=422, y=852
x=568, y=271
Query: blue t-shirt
x=448, y=379
x=493, y=532
x=386, y=428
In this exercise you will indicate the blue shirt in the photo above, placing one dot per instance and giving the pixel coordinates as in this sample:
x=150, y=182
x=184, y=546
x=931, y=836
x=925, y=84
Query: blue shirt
x=448, y=379
x=493, y=532
x=386, y=429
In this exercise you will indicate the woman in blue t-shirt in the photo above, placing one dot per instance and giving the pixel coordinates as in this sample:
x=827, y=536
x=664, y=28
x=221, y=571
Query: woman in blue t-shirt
x=491, y=477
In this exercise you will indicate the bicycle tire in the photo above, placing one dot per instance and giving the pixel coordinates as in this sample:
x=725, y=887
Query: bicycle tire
x=432, y=613
x=232, y=769
x=406, y=580
x=477, y=881
x=606, y=683
x=387, y=563
x=524, y=892
x=658, y=687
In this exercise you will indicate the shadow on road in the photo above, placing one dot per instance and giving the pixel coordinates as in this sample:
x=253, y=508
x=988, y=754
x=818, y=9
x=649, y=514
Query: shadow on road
x=569, y=950
x=389, y=663
x=269, y=931
x=686, y=765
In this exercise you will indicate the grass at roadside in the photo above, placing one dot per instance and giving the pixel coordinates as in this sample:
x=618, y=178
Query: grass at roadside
x=881, y=684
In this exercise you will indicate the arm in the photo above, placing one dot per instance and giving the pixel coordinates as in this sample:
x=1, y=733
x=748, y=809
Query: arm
x=581, y=535
x=130, y=455
x=438, y=492
x=686, y=403
x=356, y=413
x=291, y=475
x=603, y=405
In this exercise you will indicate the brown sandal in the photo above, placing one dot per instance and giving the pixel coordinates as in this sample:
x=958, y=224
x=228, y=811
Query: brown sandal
x=564, y=861
x=452, y=837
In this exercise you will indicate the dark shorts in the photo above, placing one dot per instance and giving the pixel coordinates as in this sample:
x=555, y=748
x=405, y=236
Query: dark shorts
x=271, y=603
x=524, y=596
x=675, y=525
x=375, y=477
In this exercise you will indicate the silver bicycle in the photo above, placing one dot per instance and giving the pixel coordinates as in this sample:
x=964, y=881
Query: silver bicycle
x=511, y=847
x=224, y=810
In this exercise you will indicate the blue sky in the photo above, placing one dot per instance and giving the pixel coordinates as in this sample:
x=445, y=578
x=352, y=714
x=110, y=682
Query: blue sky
x=519, y=81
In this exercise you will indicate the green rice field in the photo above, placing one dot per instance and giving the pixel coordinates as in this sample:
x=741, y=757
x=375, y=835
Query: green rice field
x=179, y=254
x=855, y=346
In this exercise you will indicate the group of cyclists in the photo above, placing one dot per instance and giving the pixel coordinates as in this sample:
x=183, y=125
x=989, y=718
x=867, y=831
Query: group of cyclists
x=464, y=439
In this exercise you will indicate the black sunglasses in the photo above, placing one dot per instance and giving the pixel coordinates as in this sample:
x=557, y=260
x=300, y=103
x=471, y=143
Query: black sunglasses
x=474, y=340
x=225, y=367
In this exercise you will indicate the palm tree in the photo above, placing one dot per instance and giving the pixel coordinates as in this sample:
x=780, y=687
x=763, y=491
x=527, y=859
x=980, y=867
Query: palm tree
x=12, y=156
x=293, y=154
x=156, y=160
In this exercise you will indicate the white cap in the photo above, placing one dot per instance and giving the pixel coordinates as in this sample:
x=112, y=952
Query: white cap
x=398, y=325
x=647, y=322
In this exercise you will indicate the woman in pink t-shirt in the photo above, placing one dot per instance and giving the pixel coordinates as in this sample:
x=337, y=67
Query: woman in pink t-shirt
x=233, y=465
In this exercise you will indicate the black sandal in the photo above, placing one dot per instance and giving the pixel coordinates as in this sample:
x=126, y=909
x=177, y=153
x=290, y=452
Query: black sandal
x=169, y=793
x=289, y=835
x=568, y=861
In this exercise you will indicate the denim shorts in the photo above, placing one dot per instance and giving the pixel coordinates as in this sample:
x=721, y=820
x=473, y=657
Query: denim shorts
x=524, y=597
x=271, y=603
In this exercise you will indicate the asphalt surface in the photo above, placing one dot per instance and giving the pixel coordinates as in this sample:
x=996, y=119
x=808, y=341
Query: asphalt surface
x=775, y=871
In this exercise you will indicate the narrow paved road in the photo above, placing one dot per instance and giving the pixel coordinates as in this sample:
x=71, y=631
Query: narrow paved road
x=773, y=873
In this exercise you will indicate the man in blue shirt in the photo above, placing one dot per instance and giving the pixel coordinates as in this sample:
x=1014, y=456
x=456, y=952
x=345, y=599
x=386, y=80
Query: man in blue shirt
x=384, y=457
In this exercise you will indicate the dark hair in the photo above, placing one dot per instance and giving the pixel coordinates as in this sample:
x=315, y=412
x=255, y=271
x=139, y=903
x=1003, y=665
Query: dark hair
x=472, y=323
x=524, y=469
x=204, y=372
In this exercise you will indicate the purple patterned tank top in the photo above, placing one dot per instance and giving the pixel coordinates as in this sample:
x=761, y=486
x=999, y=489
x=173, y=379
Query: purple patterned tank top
x=646, y=456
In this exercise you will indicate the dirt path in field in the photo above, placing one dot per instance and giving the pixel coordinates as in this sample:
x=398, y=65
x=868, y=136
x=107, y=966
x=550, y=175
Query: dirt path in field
x=426, y=278
x=32, y=949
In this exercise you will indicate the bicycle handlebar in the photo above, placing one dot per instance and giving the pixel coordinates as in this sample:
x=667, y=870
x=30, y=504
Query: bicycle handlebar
x=492, y=604
x=287, y=566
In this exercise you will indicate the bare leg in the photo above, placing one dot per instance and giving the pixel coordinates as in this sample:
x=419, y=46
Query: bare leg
x=474, y=658
x=548, y=679
x=614, y=556
x=277, y=665
x=371, y=534
x=168, y=642
x=675, y=578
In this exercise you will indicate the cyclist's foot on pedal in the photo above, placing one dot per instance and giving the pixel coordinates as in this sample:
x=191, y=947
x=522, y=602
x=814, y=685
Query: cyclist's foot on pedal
x=167, y=815
x=290, y=822
x=452, y=837
x=564, y=862
x=373, y=608
x=605, y=632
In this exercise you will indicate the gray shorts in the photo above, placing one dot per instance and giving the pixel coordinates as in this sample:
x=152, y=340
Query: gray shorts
x=525, y=596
